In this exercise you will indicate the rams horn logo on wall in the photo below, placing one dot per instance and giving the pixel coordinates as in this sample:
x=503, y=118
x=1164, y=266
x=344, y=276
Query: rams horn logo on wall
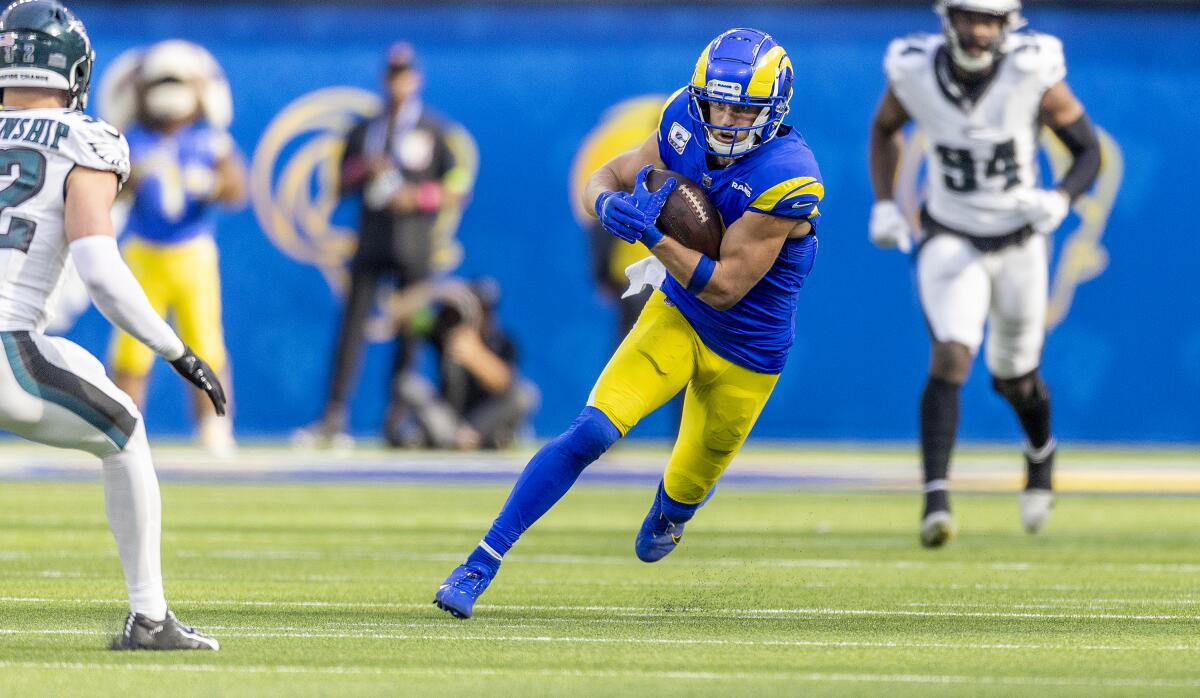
x=294, y=180
x=1082, y=256
x=294, y=189
x=294, y=177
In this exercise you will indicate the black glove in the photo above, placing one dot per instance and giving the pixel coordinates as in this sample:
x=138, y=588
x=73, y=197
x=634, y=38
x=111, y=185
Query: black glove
x=202, y=376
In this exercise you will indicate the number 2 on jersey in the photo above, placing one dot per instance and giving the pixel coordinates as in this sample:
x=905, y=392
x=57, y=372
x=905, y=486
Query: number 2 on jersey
x=960, y=173
x=28, y=177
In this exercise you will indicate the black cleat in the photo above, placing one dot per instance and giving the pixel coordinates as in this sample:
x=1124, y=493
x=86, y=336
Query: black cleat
x=141, y=633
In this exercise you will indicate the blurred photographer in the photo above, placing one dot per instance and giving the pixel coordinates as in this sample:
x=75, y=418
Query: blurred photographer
x=480, y=400
x=413, y=170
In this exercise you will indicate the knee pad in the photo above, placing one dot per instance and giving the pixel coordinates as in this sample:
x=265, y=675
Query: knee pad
x=729, y=423
x=590, y=435
x=1022, y=390
x=951, y=362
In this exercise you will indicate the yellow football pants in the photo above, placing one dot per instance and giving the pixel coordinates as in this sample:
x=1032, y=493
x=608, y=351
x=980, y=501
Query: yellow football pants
x=181, y=279
x=659, y=357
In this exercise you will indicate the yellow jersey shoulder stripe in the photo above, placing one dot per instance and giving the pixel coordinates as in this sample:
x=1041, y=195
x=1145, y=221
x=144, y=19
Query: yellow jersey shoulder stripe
x=797, y=185
x=663, y=112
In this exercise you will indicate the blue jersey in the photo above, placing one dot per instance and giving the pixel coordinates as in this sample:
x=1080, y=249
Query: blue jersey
x=174, y=181
x=779, y=178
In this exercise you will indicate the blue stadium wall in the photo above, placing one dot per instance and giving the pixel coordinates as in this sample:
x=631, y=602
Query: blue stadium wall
x=530, y=82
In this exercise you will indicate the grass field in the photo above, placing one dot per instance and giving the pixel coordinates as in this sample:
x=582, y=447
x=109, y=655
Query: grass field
x=325, y=589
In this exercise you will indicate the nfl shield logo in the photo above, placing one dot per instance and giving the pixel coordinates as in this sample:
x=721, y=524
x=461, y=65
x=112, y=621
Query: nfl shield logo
x=678, y=137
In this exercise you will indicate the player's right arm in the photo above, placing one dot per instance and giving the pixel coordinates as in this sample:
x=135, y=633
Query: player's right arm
x=230, y=171
x=886, y=142
x=93, y=243
x=614, y=179
x=888, y=227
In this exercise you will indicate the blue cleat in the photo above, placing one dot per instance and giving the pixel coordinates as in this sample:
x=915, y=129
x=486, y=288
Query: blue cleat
x=457, y=595
x=658, y=535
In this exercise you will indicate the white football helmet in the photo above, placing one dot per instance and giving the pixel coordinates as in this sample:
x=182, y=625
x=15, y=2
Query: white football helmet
x=1009, y=10
x=173, y=58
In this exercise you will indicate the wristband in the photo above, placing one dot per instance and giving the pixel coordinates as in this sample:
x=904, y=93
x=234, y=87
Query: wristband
x=651, y=236
x=701, y=275
x=429, y=197
x=599, y=205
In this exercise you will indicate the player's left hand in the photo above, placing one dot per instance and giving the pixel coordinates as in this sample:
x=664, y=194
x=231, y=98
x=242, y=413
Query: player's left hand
x=201, y=375
x=1045, y=209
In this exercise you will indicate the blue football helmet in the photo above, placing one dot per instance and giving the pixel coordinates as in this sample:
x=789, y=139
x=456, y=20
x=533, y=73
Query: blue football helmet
x=747, y=68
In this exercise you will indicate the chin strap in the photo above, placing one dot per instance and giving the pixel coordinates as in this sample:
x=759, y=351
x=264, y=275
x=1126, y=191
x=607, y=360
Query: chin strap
x=975, y=64
x=969, y=63
x=739, y=147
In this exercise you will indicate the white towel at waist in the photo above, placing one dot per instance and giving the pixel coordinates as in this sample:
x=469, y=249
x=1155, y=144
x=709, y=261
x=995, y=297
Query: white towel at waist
x=645, y=272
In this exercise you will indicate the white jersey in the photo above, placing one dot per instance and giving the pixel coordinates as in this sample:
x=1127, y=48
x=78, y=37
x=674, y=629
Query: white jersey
x=38, y=149
x=979, y=153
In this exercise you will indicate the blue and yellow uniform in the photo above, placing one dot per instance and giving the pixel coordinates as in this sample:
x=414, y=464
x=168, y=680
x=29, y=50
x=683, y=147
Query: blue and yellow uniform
x=728, y=360
x=170, y=246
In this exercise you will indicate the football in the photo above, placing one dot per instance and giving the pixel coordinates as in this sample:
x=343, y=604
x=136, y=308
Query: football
x=688, y=216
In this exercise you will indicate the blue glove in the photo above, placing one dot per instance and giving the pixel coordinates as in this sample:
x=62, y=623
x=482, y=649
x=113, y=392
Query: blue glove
x=620, y=216
x=650, y=204
x=631, y=217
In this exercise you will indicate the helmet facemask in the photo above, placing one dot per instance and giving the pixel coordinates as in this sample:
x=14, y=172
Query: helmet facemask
x=44, y=45
x=745, y=138
x=1009, y=14
x=80, y=80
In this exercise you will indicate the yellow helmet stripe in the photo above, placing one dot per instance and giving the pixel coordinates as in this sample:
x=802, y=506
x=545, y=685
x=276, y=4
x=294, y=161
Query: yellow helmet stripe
x=769, y=198
x=700, y=76
x=763, y=80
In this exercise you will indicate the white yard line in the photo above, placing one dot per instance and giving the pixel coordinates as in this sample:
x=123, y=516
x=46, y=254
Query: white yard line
x=818, y=563
x=755, y=613
x=612, y=560
x=328, y=633
x=1050, y=604
x=452, y=672
x=626, y=583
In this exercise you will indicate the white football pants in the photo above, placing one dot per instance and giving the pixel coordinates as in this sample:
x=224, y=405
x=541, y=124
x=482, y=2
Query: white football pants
x=54, y=392
x=962, y=288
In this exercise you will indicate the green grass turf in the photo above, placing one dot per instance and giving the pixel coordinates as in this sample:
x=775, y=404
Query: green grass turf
x=325, y=589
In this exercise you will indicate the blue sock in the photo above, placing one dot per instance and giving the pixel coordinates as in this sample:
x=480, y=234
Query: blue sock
x=549, y=475
x=676, y=512
x=482, y=558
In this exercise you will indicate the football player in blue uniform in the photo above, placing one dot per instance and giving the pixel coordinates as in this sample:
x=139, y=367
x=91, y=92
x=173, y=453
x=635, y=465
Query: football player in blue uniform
x=184, y=166
x=719, y=328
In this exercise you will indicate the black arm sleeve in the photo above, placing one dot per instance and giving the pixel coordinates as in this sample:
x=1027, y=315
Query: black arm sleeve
x=353, y=165
x=1080, y=138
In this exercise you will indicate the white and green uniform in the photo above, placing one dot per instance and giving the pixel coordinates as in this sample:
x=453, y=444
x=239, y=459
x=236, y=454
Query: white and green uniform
x=981, y=152
x=51, y=390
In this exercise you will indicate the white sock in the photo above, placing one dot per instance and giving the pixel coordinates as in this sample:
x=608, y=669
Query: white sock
x=134, y=510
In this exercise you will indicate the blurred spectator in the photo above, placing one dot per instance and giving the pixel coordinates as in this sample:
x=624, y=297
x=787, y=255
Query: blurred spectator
x=480, y=400
x=413, y=170
x=622, y=128
x=184, y=162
